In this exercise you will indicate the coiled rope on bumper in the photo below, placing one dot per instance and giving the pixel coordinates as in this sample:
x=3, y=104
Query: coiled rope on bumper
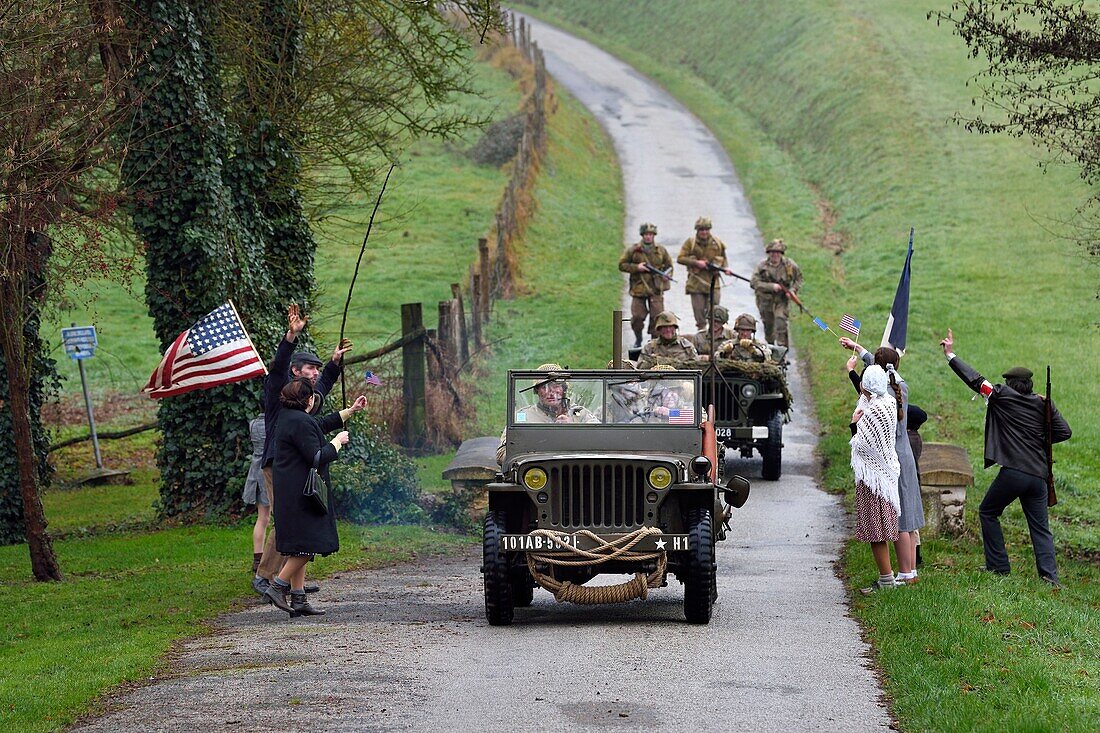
x=620, y=548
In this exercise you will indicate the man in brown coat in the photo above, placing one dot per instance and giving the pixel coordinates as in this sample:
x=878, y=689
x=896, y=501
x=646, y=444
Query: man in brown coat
x=644, y=261
x=695, y=254
x=774, y=277
x=722, y=333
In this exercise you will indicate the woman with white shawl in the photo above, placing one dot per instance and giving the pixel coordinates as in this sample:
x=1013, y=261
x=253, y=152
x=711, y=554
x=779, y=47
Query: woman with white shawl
x=876, y=468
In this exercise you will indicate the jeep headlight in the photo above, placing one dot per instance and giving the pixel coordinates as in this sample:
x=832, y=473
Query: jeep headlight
x=660, y=477
x=748, y=391
x=534, y=479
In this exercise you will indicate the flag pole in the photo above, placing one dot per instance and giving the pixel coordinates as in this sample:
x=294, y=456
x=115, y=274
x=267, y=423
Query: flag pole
x=245, y=331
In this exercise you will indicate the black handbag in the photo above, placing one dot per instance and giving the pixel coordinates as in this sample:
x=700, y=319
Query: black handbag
x=316, y=489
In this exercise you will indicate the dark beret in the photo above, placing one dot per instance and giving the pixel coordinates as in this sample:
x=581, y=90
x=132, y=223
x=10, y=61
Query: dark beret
x=1017, y=373
x=305, y=357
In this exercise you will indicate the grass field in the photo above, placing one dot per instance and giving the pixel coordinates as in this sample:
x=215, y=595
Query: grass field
x=835, y=116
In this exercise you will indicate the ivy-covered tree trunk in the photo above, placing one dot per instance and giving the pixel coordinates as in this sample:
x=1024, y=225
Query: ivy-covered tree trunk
x=43, y=380
x=201, y=249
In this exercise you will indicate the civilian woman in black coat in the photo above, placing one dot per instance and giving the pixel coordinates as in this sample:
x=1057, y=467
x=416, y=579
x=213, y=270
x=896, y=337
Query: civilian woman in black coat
x=303, y=532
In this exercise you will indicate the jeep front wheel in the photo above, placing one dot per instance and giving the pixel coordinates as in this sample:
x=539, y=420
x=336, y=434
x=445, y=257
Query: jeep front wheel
x=772, y=450
x=700, y=583
x=499, y=607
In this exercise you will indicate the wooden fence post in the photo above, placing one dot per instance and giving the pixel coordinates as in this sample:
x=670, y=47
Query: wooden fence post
x=413, y=391
x=486, y=278
x=446, y=339
x=475, y=315
x=463, y=337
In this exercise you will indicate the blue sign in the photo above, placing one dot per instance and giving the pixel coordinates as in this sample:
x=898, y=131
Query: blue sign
x=79, y=342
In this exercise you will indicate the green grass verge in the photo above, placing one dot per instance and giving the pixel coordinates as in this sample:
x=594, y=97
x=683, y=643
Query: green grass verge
x=843, y=107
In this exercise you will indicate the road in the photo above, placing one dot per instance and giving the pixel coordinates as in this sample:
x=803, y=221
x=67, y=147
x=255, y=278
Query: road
x=409, y=649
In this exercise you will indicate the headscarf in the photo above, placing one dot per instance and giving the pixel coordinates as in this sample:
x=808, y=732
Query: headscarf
x=874, y=446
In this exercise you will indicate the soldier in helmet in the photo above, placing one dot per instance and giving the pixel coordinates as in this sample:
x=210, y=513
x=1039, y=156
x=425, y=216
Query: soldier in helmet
x=644, y=261
x=774, y=277
x=669, y=346
x=552, y=407
x=722, y=333
x=697, y=253
x=746, y=347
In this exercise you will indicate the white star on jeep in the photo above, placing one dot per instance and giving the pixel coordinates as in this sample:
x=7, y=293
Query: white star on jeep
x=660, y=544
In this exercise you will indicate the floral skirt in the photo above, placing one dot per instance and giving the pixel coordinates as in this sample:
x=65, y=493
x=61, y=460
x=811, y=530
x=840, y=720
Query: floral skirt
x=876, y=520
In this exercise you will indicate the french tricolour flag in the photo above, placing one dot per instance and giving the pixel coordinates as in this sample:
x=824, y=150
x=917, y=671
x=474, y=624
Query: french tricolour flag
x=898, y=322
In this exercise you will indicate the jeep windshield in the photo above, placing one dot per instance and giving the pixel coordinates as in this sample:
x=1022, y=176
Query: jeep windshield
x=649, y=399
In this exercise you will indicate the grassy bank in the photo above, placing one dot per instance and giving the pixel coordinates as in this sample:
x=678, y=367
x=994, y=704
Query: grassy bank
x=835, y=117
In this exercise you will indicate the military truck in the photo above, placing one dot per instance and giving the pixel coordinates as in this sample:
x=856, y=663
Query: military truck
x=605, y=472
x=751, y=404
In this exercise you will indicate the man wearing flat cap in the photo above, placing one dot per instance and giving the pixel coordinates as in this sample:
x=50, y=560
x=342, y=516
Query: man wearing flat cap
x=289, y=364
x=774, y=277
x=1015, y=439
x=696, y=254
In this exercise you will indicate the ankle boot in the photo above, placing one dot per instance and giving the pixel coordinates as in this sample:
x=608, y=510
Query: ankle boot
x=301, y=606
x=276, y=595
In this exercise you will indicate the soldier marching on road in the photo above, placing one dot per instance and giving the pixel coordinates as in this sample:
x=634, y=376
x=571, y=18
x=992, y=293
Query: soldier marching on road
x=774, y=278
x=645, y=261
x=698, y=253
x=669, y=347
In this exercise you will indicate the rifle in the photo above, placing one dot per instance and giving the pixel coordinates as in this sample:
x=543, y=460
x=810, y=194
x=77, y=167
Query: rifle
x=727, y=271
x=666, y=274
x=1052, y=498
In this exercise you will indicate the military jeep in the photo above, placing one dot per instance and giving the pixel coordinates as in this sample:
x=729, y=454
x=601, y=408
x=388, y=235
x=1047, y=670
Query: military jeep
x=751, y=404
x=613, y=474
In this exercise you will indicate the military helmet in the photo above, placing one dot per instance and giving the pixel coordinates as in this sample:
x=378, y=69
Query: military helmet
x=703, y=222
x=721, y=314
x=627, y=364
x=666, y=318
x=776, y=245
x=647, y=228
x=549, y=367
x=745, y=322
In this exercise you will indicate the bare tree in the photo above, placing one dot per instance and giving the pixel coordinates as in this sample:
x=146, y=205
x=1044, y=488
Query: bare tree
x=57, y=121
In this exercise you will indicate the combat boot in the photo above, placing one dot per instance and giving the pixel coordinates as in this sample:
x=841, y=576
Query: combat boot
x=301, y=606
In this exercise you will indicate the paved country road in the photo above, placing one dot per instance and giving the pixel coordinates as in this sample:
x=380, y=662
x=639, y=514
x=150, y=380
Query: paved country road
x=409, y=648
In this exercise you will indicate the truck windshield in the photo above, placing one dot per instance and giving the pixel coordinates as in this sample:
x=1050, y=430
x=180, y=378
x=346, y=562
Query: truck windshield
x=614, y=400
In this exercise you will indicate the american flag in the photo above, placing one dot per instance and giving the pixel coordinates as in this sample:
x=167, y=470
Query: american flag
x=682, y=416
x=216, y=350
x=850, y=325
x=372, y=378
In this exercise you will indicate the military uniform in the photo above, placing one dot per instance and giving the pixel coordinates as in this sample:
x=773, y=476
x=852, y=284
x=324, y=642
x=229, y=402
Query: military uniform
x=660, y=351
x=698, y=282
x=774, y=306
x=756, y=351
x=539, y=414
x=701, y=339
x=647, y=289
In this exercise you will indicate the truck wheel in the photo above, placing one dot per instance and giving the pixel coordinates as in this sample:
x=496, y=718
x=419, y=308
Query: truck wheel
x=772, y=451
x=700, y=584
x=498, y=588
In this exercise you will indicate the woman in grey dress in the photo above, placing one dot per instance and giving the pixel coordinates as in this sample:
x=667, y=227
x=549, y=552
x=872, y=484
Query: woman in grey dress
x=912, y=511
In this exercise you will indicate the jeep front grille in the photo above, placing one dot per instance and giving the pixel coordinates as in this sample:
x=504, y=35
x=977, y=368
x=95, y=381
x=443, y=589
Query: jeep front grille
x=726, y=404
x=595, y=495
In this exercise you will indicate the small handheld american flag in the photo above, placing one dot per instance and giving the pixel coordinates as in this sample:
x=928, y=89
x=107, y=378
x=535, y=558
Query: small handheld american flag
x=214, y=351
x=372, y=378
x=849, y=324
